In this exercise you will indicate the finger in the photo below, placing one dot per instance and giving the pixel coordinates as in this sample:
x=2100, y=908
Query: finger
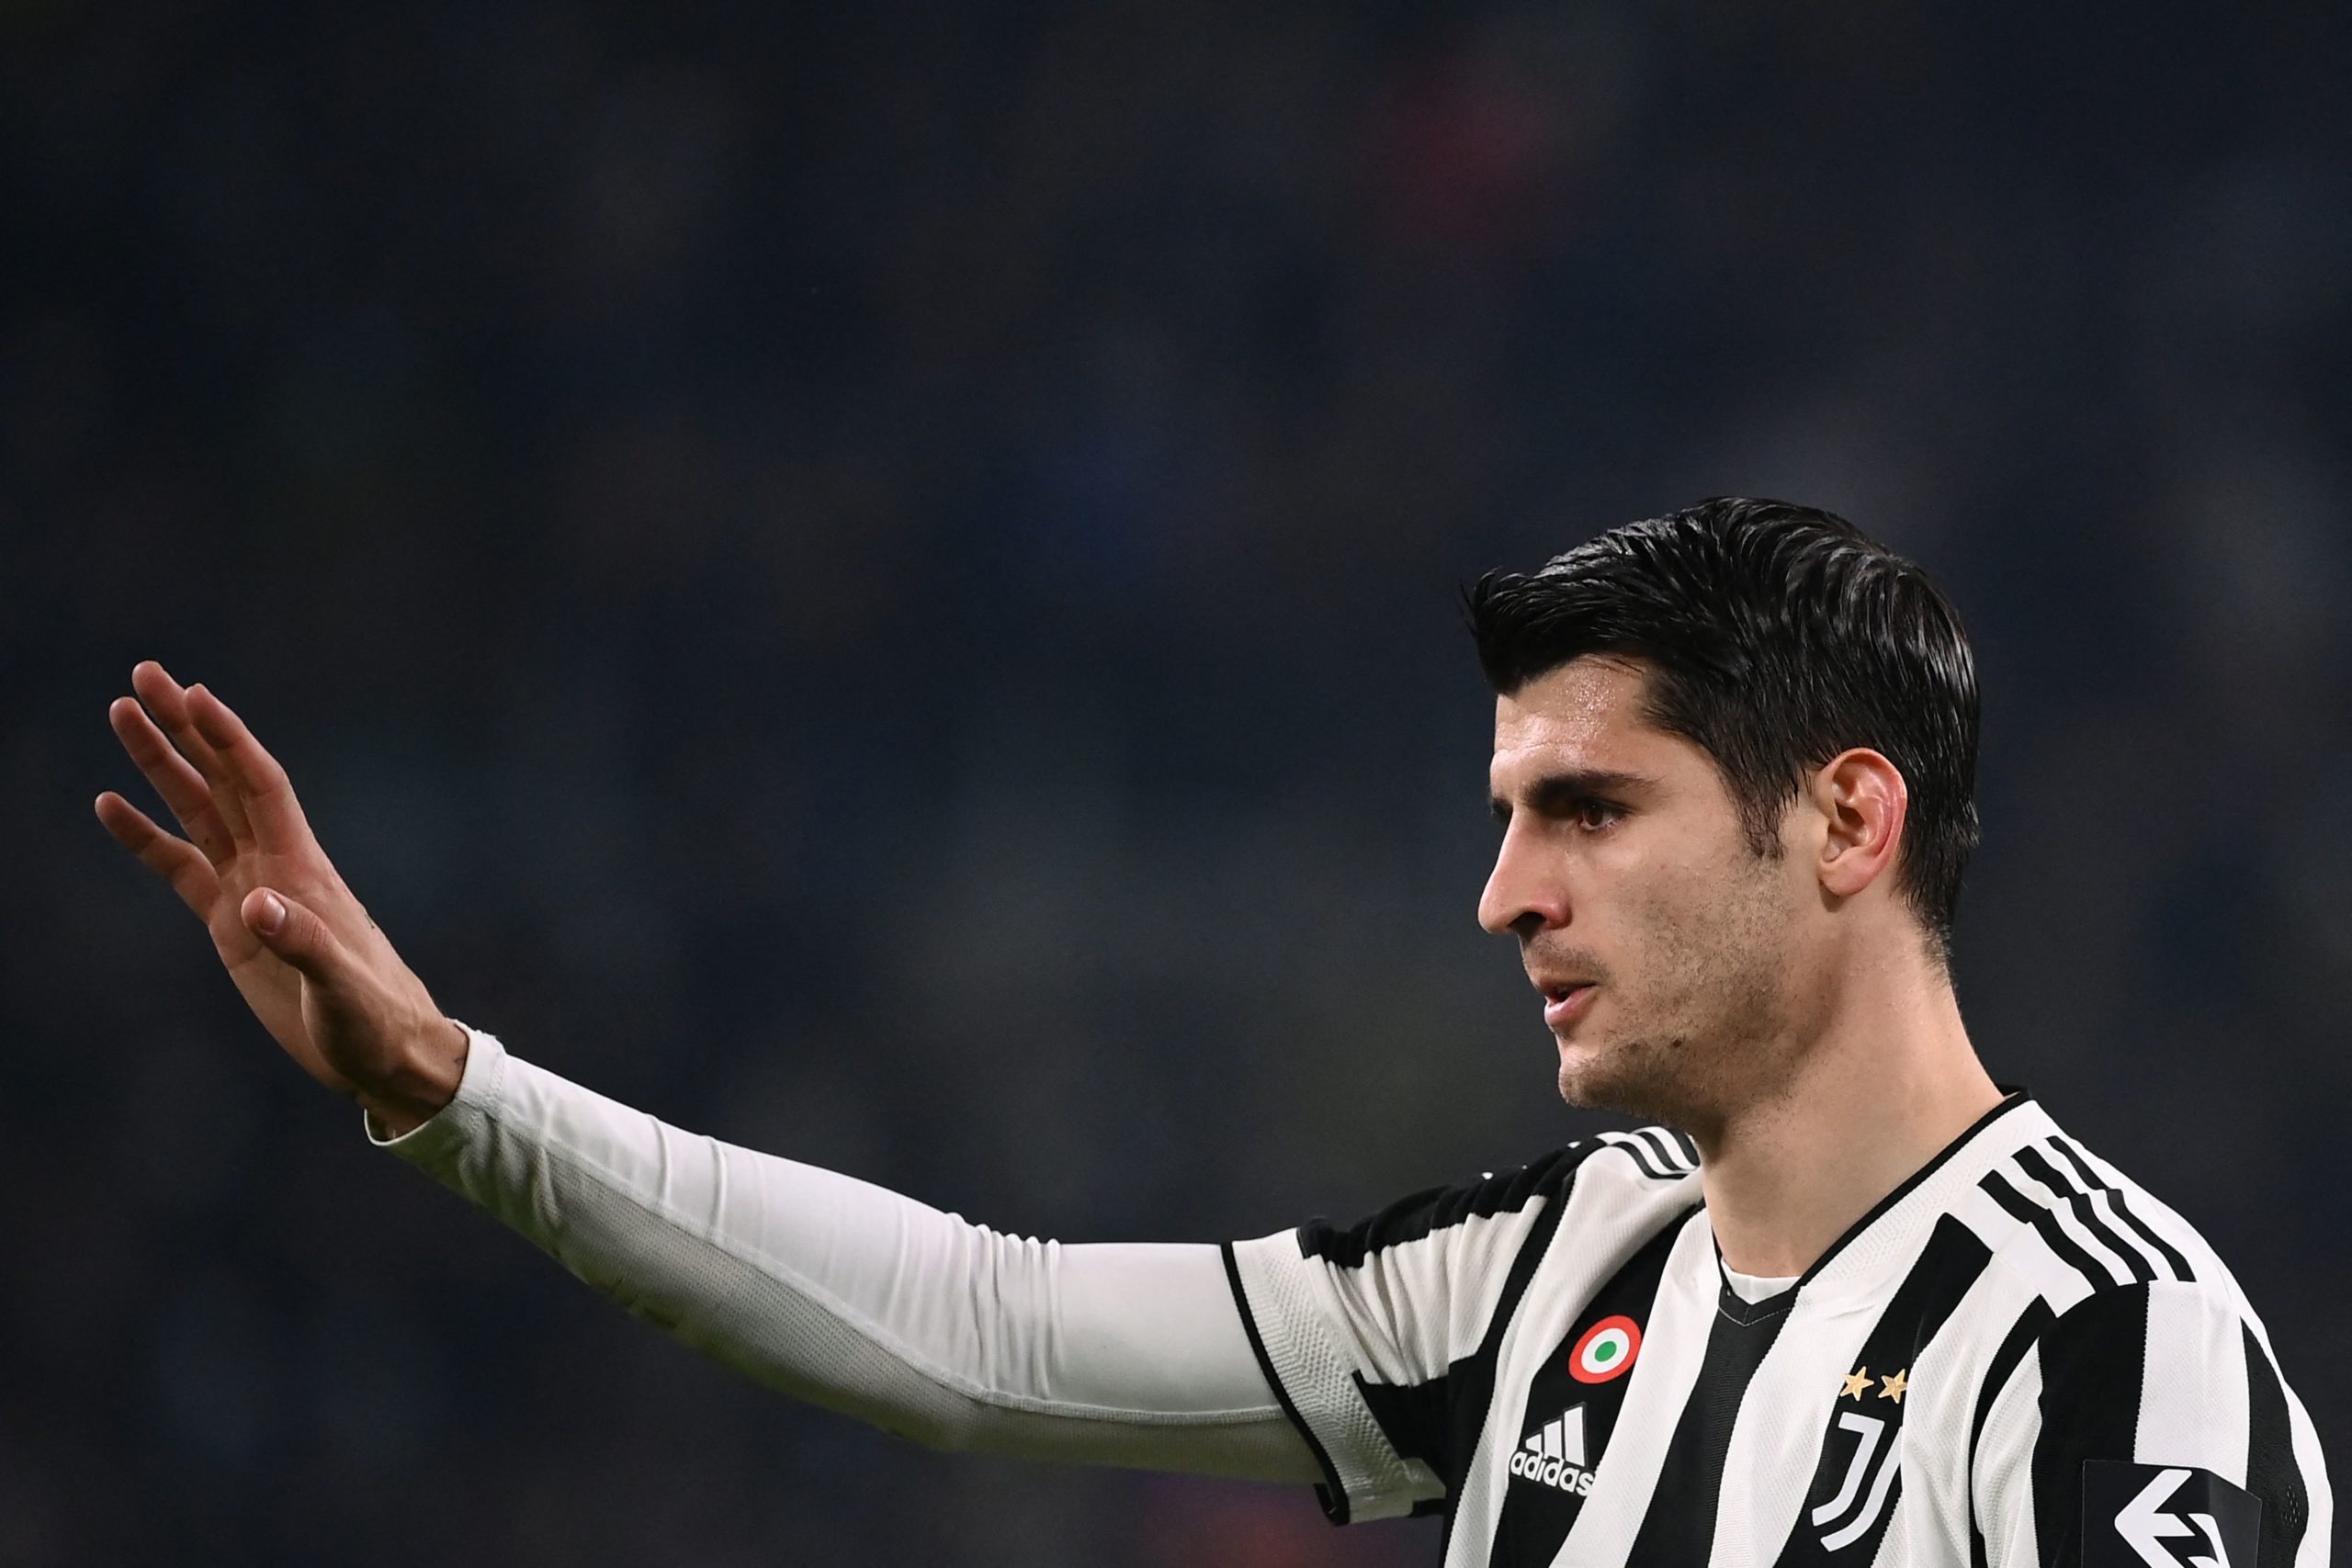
x=174, y=779
x=295, y=933
x=167, y=700
x=261, y=783
x=180, y=863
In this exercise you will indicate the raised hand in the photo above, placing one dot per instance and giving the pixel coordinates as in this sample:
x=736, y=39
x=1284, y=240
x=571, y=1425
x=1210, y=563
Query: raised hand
x=314, y=969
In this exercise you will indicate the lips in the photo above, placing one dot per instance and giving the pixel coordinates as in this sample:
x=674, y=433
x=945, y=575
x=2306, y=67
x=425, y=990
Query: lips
x=1566, y=1002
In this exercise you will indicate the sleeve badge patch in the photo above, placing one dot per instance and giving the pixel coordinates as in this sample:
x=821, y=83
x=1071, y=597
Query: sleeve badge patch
x=2153, y=1515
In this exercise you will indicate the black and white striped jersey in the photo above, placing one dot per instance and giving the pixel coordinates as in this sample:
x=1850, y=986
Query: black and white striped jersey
x=2017, y=1357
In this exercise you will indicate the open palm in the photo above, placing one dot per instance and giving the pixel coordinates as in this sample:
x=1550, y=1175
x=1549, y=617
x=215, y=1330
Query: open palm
x=316, y=971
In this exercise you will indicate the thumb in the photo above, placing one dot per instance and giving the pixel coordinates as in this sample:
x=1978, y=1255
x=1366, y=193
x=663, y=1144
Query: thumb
x=291, y=932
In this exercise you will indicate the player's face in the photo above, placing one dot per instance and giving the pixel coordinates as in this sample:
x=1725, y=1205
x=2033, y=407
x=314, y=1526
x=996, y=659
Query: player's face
x=1669, y=955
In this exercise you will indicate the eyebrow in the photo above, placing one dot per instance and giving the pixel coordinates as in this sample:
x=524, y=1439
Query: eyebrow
x=1553, y=793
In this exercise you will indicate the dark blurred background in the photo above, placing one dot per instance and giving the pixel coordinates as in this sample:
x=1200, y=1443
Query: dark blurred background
x=877, y=582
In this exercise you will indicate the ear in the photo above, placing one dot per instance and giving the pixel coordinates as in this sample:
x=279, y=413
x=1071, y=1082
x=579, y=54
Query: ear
x=1863, y=802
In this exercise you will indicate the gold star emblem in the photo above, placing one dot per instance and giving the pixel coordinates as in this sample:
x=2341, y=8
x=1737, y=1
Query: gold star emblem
x=1895, y=1387
x=1860, y=1381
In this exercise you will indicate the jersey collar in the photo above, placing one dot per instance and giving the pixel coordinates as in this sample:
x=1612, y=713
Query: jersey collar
x=1882, y=1243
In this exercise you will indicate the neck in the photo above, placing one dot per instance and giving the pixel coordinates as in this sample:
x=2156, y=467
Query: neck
x=1890, y=1082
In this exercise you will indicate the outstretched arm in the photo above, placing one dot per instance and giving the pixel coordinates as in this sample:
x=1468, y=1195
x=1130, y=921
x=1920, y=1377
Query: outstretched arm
x=855, y=1298
x=825, y=1287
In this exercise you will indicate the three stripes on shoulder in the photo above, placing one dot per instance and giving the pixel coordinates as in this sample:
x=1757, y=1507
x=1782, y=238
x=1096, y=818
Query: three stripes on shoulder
x=2084, y=1221
x=1658, y=1153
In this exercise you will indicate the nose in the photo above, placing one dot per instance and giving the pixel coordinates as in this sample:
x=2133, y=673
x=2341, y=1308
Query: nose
x=1525, y=895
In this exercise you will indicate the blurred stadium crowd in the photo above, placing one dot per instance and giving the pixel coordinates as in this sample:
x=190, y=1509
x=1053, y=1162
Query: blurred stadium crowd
x=876, y=581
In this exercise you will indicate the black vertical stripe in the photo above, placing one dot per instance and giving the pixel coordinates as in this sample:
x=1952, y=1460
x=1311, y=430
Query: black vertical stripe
x=2020, y=1338
x=2093, y=1359
x=1425, y=1421
x=1473, y=1379
x=2271, y=1473
x=2020, y=1207
x=1435, y=1208
x=1416, y=1419
x=2036, y=1164
x=1536, y=1518
x=1435, y=1422
x=1947, y=1269
x=1680, y=1528
x=2036, y=1317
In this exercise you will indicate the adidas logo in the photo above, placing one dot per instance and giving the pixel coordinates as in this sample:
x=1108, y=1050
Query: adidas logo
x=1555, y=1456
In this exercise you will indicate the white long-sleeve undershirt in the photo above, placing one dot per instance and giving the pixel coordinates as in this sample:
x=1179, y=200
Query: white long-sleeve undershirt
x=863, y=1300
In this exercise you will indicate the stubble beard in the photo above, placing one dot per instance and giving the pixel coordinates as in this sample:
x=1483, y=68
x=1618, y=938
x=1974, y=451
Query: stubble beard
x=1702, y=1029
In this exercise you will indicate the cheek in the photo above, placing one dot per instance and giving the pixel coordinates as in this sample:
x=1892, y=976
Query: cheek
x=1656, y=927
x=1690, y=925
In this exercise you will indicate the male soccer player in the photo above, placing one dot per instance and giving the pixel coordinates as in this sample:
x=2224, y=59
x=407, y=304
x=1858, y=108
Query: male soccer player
x=1850, y=1302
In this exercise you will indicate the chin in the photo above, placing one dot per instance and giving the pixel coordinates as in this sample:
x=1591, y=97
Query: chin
x=1589, y=1078
x=1625, y=1077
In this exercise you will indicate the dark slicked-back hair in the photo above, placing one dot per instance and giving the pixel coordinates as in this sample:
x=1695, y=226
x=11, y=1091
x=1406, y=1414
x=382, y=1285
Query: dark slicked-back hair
x=1776, y=637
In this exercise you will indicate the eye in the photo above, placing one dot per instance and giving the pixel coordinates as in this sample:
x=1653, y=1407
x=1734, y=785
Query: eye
x=1592, y=816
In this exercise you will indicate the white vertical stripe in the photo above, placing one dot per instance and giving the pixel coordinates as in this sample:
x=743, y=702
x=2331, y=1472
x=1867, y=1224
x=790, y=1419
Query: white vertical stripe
x=2207, y=1265
x=1413, y=1308
x=1315, y=1357
x=1611, y=1210
x=2305, y=1440
x=1674, y=1345
x=2002, y=1482
x=1791, y=1402
x=1945, y=1385
x=1900, y=1544
x=2193, y=1388
x=1993, y=1225
x=2061, y=1283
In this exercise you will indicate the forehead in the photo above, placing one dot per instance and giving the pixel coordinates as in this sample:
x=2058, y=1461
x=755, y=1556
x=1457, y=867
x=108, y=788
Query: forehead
x=1584, y=716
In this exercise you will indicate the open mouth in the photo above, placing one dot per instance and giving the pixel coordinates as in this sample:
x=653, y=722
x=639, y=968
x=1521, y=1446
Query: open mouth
x=1566, y=1003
